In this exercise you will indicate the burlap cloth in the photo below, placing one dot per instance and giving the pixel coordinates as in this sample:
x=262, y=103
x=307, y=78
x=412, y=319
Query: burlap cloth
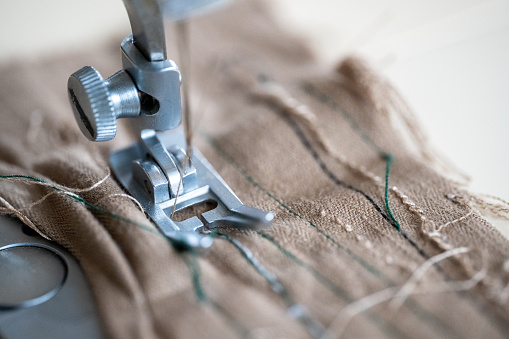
x=309, y=144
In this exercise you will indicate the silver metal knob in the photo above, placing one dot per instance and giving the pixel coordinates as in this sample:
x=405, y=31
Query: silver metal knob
x=98, y=103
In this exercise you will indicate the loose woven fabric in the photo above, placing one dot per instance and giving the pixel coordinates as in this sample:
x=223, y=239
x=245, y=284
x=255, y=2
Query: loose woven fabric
x=312, y=145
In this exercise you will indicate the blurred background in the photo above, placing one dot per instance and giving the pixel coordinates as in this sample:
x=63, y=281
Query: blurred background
x=449, y=59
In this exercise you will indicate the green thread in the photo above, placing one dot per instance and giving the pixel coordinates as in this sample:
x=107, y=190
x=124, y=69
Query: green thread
x=325, y=99
x=322, y=97
x=415, y=306
x=265, y=274
x=319, y=277
x=241, y=331
x=315, y=328
x=246, y=175
x=196, y=279
x=389, y=158
x=196, y=275
x=331, y=286
x=192, y=265
x=191, y=261
x=14, y=176
x=90, y=205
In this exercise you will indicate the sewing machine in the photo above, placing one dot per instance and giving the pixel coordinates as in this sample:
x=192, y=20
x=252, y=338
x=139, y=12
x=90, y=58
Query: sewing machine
x=162, y=171
x=45, y=292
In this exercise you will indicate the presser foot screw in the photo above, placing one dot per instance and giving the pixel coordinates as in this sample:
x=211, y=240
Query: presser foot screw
x=97, y=103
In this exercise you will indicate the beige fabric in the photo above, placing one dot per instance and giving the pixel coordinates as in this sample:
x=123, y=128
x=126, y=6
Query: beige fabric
x=300, y=144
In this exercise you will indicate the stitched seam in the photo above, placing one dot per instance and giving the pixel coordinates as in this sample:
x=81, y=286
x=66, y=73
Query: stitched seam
x=191, y=261
x=414, y=306
x=194, y=272
x=295, y=310
x=330, y=285
x=306, y=143
x=248, y=177
x=313, y=92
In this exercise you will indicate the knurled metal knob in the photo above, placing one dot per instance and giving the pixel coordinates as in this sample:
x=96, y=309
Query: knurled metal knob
x=98, y=103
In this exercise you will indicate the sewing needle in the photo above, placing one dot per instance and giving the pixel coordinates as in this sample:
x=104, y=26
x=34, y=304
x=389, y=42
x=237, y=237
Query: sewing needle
x=183, y=50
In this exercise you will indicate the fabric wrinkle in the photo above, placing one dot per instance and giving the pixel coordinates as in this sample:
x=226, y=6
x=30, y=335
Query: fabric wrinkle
x=309, y=144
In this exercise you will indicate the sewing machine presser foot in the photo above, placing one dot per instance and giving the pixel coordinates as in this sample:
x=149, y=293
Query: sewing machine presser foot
x=151, y=171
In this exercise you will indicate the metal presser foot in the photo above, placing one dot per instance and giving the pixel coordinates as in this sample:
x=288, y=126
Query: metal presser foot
x=156, y=170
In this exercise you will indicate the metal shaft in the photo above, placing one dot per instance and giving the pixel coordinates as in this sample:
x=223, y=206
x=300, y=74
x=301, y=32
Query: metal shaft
x=147, y=24
x=183, y=47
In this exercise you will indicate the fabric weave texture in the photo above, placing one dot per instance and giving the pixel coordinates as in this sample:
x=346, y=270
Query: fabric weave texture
x=308, y=142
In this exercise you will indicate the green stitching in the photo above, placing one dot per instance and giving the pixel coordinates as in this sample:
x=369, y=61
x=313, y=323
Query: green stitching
x=331, y=286
x=322, y=279
x=267, y=275
x=389, y=159
x=361, y=261
x=422, y=312
x=315, y=328
x=322, y=97
x=90, y=205
x=325, y=99
x=189, y=258
x=194, y=269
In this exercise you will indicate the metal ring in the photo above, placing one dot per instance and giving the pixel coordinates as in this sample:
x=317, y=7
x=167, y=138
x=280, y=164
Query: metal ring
x=48, y=295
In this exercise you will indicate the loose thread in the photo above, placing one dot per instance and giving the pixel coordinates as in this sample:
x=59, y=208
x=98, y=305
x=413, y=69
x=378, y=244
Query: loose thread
x=499, y=209
x=40, y=201
x=120, y=218
x=29, y=179
x=406, y=201
x=122, y=195
x=331, y=286
x=23, y=178
x=437, y=323
x=389, y=158
x=11, y=210
x=190, y=259
x=88, y=204
x=275, y=95
x=400, y=297
x=253, y=182
x=436, y=233
x=396, y=223
x=339, y=324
